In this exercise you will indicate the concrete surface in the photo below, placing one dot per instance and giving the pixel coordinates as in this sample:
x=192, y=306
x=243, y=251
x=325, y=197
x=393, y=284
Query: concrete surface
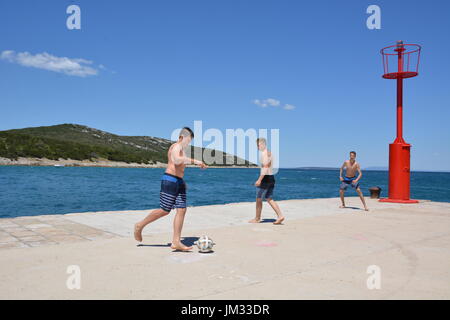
x=321, y=252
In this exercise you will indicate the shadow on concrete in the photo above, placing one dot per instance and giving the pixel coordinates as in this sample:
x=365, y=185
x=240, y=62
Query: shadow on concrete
x=268, y=220
x=187, y=241
x=153, y=245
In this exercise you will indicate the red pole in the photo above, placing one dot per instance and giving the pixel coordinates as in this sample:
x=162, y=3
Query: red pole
x=400, y=96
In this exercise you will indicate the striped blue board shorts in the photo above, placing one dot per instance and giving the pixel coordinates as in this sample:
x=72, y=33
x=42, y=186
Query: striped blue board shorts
x=348, y=181
x=173, y=193
x=264, y=193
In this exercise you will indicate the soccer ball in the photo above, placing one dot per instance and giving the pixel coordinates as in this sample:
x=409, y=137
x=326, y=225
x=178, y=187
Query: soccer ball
x=204, y=244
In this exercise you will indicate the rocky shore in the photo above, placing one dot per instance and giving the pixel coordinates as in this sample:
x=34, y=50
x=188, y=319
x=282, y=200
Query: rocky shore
x=87, y=163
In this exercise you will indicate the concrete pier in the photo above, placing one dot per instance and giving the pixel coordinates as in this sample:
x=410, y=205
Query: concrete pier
x=394, y=251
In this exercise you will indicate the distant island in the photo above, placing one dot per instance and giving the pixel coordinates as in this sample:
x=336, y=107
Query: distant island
x=336, y=168
x=315, y=168
x=364, y=169
x=377, y=168
x=79, y=145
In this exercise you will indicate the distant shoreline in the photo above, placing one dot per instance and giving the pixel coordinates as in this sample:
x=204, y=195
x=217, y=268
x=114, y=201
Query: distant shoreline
x=363, y=169
x=43, y=162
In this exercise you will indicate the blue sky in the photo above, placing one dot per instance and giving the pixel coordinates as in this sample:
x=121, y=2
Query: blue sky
x=161, y=65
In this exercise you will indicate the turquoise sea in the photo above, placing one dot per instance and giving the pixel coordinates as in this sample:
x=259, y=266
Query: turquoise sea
x=28, y=190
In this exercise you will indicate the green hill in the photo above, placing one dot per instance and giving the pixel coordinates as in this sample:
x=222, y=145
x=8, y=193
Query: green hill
x=78, y=142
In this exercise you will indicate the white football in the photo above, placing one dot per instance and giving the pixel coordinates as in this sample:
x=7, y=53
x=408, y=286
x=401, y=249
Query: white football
x=204, y=244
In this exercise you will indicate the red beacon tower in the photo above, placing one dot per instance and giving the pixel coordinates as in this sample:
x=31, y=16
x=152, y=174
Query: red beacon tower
x=406, y=57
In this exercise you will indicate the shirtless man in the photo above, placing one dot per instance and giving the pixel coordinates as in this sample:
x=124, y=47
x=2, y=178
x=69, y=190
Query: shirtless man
x=265, y=183
x=173, y=190
x=350, y=179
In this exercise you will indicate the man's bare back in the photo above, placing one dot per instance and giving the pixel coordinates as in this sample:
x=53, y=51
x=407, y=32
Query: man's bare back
x=266, y=162
x=175, y=151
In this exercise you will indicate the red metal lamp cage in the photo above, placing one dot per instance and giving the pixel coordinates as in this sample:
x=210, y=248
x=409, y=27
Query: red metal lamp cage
x=405, y=57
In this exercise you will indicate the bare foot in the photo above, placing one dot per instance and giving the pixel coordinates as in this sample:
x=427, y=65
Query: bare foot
x=138, y=232
x=343, y=206
x=255, y=221
x=279, y=220
x=180, y=247
x=366, y=209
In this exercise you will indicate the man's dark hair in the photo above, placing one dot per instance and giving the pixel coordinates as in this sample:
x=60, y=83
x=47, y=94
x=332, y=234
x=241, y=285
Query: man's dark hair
x=261, y=140
x=186, y=131
x=353, y=152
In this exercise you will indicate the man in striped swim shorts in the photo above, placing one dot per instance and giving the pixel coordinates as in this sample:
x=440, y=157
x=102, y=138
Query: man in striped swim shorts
x=173, y=190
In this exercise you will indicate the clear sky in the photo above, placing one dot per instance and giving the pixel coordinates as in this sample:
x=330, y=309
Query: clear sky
x=148, y=67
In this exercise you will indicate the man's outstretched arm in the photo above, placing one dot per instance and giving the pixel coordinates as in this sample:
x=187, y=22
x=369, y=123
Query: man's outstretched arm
x=181, y=159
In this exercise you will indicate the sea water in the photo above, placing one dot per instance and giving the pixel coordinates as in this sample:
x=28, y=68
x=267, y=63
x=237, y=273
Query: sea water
x=28, y=190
